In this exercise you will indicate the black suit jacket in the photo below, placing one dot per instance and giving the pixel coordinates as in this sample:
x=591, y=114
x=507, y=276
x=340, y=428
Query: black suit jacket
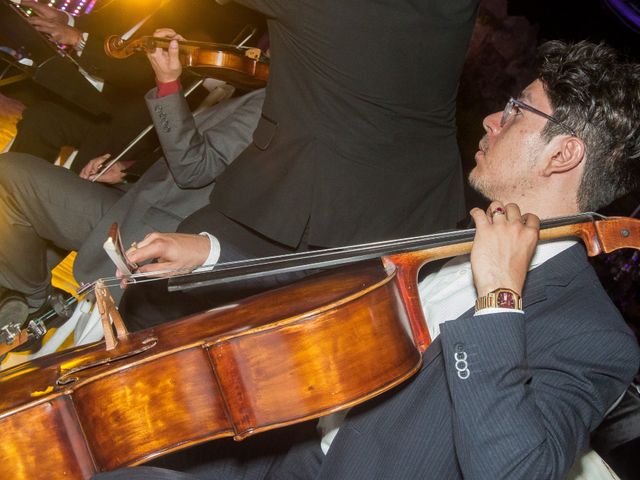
x=357, y=135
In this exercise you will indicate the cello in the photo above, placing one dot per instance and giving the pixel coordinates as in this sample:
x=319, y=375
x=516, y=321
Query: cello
x=324, y=344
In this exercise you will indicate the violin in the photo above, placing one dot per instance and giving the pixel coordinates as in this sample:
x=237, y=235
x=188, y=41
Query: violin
x=246, y=68
x=329, y=342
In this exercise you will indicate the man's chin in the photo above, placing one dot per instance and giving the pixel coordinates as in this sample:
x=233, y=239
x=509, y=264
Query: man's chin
x=476, y=182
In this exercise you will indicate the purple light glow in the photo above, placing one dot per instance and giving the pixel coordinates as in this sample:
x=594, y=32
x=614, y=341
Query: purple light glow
x=627, y=10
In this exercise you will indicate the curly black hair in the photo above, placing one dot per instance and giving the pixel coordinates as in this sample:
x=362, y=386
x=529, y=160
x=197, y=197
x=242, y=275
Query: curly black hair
x=597, y=93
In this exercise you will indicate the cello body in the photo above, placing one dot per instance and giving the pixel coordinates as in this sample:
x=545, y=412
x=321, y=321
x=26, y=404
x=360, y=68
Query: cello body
x=266, y=362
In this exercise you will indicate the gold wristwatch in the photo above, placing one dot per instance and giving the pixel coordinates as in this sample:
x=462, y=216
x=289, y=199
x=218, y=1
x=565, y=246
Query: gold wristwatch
x=500, y=298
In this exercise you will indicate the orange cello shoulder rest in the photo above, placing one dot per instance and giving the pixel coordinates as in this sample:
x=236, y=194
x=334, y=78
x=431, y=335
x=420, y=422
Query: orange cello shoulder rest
x=326, y=343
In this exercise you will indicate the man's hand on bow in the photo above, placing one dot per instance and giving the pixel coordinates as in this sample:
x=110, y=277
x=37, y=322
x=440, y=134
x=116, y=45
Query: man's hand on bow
x=173, y=252
x=115, y=174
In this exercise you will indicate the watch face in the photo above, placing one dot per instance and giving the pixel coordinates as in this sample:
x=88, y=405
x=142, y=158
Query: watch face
x=506, y=300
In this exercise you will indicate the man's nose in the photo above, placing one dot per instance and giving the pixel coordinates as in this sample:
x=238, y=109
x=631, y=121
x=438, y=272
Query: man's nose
x=491, y=123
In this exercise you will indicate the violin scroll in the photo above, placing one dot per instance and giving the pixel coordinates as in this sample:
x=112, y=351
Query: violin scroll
x=116, y=47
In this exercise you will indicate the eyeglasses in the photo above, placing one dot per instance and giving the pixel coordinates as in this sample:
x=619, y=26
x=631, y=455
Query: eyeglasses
x=514, y=105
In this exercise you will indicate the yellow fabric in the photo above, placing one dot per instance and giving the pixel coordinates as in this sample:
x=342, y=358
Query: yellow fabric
x=62, y=275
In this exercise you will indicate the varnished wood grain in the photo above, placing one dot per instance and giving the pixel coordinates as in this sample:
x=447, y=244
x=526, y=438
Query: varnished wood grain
x=44, y=441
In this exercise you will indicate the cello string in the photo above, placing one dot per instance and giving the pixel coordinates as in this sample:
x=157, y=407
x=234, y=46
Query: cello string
x=268, y=262
x=318, y=256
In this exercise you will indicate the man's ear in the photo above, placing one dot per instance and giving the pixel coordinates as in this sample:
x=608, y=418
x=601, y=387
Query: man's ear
x=566, y=154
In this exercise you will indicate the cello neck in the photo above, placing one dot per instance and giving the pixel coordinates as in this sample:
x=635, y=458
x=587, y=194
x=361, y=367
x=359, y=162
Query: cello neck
x=599, y=234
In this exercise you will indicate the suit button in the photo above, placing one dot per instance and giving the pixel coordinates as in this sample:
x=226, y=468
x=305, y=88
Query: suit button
x=459, y=347
x=158, y=108
x=461, y=365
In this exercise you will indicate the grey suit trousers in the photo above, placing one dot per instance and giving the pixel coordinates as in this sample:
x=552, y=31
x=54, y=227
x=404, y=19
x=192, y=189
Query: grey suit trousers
x=41, y=207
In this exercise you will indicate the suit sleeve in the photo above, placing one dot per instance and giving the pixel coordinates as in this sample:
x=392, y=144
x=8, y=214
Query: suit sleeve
x=196, y=156
x=523, y=415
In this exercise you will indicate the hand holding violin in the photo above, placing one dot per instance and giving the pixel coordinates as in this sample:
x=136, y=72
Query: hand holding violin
x=166, y=63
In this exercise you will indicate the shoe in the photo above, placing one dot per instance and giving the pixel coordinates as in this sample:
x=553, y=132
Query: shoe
x=57, y=302
x=13, y=313
x=52, y=313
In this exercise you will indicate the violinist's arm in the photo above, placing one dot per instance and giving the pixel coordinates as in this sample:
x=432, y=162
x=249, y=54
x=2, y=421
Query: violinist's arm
x=531, y=395
x=196, y=156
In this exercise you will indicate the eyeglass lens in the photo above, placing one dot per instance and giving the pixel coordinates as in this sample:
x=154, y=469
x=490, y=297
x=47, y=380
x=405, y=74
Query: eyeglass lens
x=506, y=113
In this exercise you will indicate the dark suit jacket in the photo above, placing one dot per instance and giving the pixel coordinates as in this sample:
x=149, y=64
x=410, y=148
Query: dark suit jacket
x=357, y=132
x=537, y=385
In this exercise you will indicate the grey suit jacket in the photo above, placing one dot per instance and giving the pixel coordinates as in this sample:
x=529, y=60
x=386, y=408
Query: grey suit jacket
x=537, y=385
x=196, y=151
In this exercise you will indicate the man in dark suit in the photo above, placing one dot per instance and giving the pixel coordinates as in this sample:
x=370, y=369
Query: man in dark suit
x=117, y=112
x=512, y=390
x=357, y=139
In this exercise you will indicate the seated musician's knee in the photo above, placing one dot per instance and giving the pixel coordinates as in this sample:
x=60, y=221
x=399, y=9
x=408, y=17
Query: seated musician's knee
x=17, y=167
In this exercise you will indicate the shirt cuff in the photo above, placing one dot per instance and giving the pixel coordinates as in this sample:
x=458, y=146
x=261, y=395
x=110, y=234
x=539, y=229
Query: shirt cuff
x=81, y=44
x=487, y=311
x=214, y=253
x=167, y=88
x=71, y=22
